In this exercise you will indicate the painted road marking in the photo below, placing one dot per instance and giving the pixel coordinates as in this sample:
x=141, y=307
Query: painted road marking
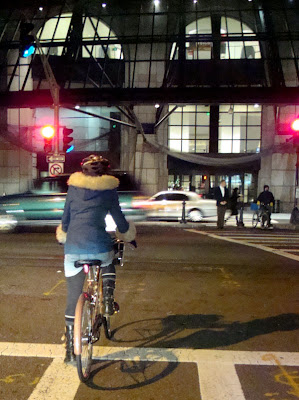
x=217, y=375
x=60, y=381
x=294, y=250
x=12, y=378
x=284, y=239
x=288, y=377
x=54, y=287
x=278, y=252
x=219, y=382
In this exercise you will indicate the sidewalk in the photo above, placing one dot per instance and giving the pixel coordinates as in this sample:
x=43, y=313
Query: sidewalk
x=279, y=221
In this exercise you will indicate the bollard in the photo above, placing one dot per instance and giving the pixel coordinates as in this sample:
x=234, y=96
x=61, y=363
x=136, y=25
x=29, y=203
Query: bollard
x=183, y=220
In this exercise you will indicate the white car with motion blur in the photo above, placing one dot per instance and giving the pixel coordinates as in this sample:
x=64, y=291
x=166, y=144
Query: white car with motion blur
x=168, y=205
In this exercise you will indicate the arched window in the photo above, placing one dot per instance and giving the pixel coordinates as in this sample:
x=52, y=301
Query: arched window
x=56, y=30
x=200, y=46
x=199, y=50
x=231, y=49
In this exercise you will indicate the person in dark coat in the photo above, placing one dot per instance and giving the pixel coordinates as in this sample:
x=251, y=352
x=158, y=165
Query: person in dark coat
x=221, y=196
x=234, y=204
x=266, y=202
x=91, y=195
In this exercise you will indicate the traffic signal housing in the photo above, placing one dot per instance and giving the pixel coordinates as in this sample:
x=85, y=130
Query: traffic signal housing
x=48, y=133
x=67, y=139
x=27, y=46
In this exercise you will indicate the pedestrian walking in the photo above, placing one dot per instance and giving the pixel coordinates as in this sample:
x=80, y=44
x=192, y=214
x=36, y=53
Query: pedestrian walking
x=234, y=205
x=221, y=195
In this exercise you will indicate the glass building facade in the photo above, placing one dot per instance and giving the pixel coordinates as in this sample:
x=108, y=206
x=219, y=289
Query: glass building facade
x=213, y=69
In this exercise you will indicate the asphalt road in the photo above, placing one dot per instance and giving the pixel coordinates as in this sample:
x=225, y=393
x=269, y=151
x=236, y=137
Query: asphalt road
x=202, y=316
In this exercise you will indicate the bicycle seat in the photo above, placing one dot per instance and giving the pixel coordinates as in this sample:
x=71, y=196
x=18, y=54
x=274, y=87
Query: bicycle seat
x=80, y=263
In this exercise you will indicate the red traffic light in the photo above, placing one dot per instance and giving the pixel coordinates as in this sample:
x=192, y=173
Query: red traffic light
x=48, y=132
x=295, y=125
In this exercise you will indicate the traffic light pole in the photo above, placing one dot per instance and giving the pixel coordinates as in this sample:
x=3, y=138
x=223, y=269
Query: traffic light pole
x=56, y=121
x=297, y=178
x=54, y=89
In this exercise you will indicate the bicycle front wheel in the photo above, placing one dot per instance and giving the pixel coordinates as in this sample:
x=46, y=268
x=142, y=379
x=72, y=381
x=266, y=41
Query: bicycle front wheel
x=83, y=337
x=255, y=220
x=264, y=219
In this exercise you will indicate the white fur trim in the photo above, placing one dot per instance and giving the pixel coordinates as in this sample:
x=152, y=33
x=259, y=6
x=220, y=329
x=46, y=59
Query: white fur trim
x=129, y=235
x=60, y=234
x=104, y=182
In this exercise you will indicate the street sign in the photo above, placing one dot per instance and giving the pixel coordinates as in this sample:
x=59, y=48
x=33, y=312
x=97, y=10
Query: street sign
x=53, y=158
x=56, y=168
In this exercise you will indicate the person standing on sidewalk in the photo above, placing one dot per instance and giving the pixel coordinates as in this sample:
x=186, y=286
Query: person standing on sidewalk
x=221, y=195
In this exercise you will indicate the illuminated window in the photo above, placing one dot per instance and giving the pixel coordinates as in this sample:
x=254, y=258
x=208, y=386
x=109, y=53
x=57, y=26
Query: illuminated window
x=230, y=49
x=56, y=30
x=199, y=50
x=239, y=129
x=188, y=129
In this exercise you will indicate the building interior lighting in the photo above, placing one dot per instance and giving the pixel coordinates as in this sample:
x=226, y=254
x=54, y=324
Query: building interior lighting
x=156, y=2
x=256, y=105
x=104, y=5
x=77, y=107
x=41, y=8
x=157, y=105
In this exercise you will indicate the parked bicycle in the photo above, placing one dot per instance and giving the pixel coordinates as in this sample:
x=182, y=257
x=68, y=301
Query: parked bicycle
x=89, y=316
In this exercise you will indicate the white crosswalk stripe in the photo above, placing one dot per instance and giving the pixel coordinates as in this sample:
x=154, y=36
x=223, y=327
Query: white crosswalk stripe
x=217, y=375
x=286, y=244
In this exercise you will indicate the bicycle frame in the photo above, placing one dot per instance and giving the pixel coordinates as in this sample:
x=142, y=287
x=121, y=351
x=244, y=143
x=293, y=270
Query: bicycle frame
x=93, y=293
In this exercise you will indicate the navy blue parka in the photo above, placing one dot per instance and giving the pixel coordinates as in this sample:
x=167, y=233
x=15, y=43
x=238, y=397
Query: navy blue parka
x=89, y=200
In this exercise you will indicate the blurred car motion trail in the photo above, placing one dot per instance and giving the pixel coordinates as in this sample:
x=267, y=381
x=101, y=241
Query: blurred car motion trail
x=168, y=205
x=44, y=203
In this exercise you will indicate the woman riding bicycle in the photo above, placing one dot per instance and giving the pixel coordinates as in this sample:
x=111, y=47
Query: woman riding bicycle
x=91, y=195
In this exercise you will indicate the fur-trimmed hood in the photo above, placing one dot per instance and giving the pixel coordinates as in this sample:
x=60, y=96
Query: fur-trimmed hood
x=104, y=182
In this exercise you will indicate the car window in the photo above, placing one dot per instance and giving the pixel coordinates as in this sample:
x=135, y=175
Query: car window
x=50, y=185
x=176, y=197
x=159, y=198
x=58, y=184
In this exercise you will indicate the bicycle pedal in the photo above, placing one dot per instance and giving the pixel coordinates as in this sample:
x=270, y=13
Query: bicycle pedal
x=116, y=307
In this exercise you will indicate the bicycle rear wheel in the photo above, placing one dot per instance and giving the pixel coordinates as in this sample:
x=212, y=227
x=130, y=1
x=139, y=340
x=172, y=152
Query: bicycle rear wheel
x=255, y=220
x=83, y=336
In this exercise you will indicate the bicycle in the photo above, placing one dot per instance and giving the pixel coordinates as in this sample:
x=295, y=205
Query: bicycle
x=89, y=316
x=261, y=216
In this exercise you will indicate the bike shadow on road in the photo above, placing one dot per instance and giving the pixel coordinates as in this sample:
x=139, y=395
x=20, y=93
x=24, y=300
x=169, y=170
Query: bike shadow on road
x=208, y=331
